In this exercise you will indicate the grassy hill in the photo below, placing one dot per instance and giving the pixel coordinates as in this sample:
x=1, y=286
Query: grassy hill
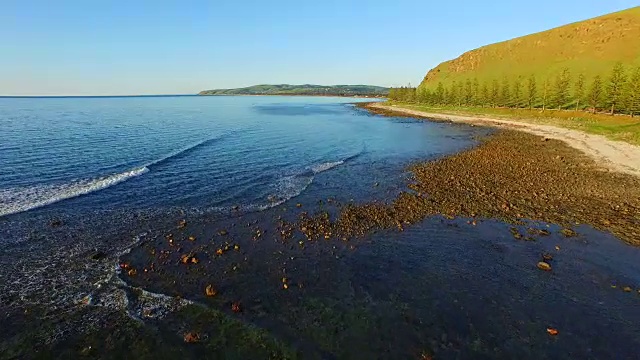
x=589, y=47
x=314, y=90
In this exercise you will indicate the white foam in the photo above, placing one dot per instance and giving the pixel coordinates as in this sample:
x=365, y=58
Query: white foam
x=15, y=200
x=325, y=166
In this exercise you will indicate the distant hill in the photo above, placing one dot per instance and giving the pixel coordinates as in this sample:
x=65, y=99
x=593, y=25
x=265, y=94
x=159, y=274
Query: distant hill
x=313, y=90
x=589, y=47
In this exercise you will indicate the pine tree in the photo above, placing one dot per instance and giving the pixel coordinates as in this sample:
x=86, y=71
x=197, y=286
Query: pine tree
x=517, y=92
x=561, y=88
x=495, y=93
x=532, y=91
x=476, y=92
x=615, y=87
x=453, y=94
x=484, y=95
x=595, y=93
x=505, y=97
x=460, y=93
x=468, y=92
x=578, y=90
x=439, y=96
x=633, y=92
x=545, y=92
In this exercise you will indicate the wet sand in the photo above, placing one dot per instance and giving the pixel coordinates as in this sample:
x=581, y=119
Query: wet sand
x=442, y=266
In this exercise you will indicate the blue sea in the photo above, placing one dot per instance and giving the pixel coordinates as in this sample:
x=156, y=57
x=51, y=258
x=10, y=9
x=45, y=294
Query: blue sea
x=194, y=153
x=102, y=199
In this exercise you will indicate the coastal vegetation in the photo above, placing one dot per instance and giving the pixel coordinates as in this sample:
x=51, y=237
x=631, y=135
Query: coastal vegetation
x=618, y=93
x=311, y=90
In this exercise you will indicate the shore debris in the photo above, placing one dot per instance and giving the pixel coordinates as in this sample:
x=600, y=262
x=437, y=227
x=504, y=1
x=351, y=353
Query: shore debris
x=544, y=266
x=552, y=331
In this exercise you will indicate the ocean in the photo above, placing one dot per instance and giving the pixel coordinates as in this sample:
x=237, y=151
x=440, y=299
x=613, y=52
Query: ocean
x=116, y=213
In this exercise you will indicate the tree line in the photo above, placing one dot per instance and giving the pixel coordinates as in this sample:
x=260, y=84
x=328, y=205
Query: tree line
x=617, y=93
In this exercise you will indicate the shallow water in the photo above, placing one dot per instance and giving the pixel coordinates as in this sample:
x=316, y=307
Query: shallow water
x=125, y=170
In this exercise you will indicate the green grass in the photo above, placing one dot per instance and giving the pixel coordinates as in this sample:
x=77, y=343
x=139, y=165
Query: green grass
x=589, y=47
x=619, y=127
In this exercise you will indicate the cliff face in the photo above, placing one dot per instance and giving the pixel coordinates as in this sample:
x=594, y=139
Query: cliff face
x=590, y=47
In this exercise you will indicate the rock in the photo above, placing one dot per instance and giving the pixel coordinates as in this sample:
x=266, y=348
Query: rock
x=236, y=307
x=568, y=232
x=55, y=223
x=544, y=266
x=552, y=331
x=223, y=232
x=626, y=289
x=547, y=257
x=210, y=290
x=182, y=224
x=98, y=255
x=191, y=337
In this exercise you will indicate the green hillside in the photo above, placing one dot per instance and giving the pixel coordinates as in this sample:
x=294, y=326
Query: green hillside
x=590, y=47
x=313, y=90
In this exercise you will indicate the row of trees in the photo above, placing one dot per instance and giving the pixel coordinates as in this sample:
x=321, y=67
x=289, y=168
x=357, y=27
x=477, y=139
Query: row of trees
x=619, y=92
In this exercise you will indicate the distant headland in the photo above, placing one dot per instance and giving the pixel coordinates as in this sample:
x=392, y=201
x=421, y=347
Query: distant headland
x=309, y=90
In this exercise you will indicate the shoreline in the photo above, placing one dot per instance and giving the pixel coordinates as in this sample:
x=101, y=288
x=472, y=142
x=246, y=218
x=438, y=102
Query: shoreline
x=613, y=155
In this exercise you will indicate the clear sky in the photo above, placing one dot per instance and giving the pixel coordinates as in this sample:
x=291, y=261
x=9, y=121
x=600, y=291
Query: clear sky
x=100, y=47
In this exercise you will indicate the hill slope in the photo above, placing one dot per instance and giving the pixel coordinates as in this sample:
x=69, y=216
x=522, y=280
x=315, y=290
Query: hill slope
x=590, y=47
x=316, y=90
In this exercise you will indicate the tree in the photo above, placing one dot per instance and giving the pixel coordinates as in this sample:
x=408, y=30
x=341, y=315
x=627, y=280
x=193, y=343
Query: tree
x=468, y=92
x=476, y=91
x=545, y=91
x=532, y=91
x=460, y=93
x=595, y=93
x=495, y=93
x=439, y=96
x=484, y=95
x=453, y=94
x=517, y=92
x=561, y=88
x=578, y=90
x=615, y=86
x=505, y=97
x=633, y=92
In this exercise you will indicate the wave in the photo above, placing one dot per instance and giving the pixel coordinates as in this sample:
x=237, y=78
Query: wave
x=178, y=154
x=16, y=200
x=291, y=186
x=316, y=169
x=21, y=199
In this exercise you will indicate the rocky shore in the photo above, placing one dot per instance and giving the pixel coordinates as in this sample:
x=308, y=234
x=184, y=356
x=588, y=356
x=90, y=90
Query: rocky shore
x=513, y=176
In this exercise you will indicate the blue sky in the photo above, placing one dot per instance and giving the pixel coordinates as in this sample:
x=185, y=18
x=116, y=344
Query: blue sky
x=103, y=47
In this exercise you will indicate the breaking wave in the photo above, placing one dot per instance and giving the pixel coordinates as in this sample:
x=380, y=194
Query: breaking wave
x=20, y=199
x=15, y=200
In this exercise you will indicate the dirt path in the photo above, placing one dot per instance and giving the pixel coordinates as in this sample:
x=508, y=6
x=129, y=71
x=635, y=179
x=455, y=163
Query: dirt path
x=614, y=155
